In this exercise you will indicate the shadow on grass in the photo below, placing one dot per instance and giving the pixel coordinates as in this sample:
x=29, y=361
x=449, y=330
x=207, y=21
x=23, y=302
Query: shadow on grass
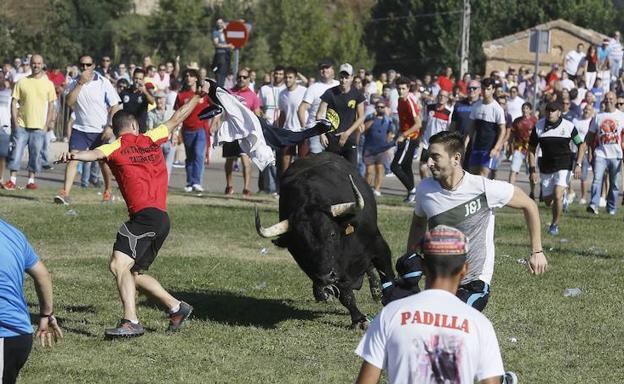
x=19, y=197
x=233, y=309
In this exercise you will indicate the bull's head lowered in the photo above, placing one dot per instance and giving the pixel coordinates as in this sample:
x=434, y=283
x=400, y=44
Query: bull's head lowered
x=315, y=236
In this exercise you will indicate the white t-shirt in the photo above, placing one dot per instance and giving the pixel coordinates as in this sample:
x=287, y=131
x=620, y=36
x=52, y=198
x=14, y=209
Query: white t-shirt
x=170, y=100
x=289, y=104
x=269, y=95
x=313, y=97
x=514, y=107
x=93, y=102
x=437, y=119
x=432, y=337
x=572, y=61
x=567, y=84
x=5, y=108
x=469, y=208
x=608, y=126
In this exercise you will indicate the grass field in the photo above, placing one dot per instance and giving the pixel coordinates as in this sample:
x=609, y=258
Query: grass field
x=256, y=320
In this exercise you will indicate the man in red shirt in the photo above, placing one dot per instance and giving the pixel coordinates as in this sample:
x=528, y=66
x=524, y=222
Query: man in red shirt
x=445, y=82
x=520, y=132
x=193, y=133
x=409, y=125
x=139, y=167
x=232, y=151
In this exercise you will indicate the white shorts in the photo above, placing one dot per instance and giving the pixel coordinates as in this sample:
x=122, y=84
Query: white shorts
x=517, y=160
x=550, y=180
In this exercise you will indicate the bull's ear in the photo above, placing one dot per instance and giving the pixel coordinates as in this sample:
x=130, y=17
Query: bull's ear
x=280, y=241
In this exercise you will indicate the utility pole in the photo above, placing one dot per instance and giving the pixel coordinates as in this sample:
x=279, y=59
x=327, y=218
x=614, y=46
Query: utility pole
x=465, y=42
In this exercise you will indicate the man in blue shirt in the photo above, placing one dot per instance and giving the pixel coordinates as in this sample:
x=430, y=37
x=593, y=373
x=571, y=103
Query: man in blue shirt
x=221, y=59
x=17, y=257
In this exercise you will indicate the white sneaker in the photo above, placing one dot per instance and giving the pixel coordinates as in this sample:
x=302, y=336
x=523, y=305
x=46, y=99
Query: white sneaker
x=571, y=197
x=376, y=193
x=197, y=188
x=603, y=202
x=188, y=188
x=510, y=378
x=582, y=201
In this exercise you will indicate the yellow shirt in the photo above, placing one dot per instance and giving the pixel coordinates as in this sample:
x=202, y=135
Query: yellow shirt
x=33, y=96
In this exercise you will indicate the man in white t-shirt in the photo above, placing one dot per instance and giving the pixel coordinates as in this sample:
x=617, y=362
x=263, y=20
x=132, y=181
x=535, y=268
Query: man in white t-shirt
x=433, y=337
x=573, y=60
x=467, y=202
x=514, y=103
x=608, y=126
x=289, y=101
x=94, y=100
x=312, y=99
x=487, y=132
x=269, y=95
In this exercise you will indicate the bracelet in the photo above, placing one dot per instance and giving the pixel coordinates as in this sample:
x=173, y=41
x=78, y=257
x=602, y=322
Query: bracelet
x=48, y=316
x=579, y=165
x=536, y=252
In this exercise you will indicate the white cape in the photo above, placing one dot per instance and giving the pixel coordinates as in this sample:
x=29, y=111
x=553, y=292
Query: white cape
x=240, y=123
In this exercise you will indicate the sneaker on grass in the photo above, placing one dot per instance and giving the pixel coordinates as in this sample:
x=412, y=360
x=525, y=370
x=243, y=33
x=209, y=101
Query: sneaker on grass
x=509, y=378
x=9, y=185
x=125, y=328
x=177, y=319
x=62, y=198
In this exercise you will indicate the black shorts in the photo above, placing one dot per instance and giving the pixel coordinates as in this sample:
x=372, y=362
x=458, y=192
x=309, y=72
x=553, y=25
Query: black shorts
x=475, y=293
x=232, y=149
x=14, y=352
x=424, y=155
x=142, y=236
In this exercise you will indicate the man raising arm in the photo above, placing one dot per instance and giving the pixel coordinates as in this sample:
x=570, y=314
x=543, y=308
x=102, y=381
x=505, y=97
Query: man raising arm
x=454, y=197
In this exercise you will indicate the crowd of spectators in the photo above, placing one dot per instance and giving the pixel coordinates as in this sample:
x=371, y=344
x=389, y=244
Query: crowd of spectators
x=389, y=108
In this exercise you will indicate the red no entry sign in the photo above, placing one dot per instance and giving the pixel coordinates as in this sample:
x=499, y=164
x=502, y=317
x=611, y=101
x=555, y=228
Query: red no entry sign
x=236, y=33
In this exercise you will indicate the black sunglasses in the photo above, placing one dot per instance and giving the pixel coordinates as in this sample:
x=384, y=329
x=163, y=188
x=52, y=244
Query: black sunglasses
x=86, y=64
x=242, y=77
x=618, y=104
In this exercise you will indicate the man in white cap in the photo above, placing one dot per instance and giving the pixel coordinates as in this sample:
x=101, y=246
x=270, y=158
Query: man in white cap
x=348, y=104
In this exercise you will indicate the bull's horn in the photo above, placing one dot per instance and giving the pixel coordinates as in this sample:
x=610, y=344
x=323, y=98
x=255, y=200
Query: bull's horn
x=272, y=231
x=343, y=208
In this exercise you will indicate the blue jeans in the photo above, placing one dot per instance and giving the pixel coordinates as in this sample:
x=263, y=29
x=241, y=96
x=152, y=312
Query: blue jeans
x=90, y=172
x=613, y=166
x=169, y=154
x=195, y=148
x=31, y=138
x=45, y=161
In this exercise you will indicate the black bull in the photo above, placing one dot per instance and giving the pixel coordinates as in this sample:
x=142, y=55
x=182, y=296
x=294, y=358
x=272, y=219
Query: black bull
x=329, y=224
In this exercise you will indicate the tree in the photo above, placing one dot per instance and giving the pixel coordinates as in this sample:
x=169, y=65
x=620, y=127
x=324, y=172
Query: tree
x=180, y=27
x=416, y=36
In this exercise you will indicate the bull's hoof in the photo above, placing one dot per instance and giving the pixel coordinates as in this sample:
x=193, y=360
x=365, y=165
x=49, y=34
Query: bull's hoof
x=376, y=293
x=360, y=324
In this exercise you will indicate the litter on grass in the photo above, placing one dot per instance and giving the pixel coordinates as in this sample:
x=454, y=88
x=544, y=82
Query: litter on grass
x=571, y=292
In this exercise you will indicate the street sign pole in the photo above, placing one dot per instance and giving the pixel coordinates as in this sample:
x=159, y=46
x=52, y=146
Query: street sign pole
x=235, y=68
x=539, y=41
x=237, y=34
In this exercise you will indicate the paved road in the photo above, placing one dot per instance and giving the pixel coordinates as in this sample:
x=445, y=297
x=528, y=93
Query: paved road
x=214, y=177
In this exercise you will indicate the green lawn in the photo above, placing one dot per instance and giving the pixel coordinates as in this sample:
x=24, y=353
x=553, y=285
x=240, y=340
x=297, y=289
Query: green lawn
x=256, y=320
